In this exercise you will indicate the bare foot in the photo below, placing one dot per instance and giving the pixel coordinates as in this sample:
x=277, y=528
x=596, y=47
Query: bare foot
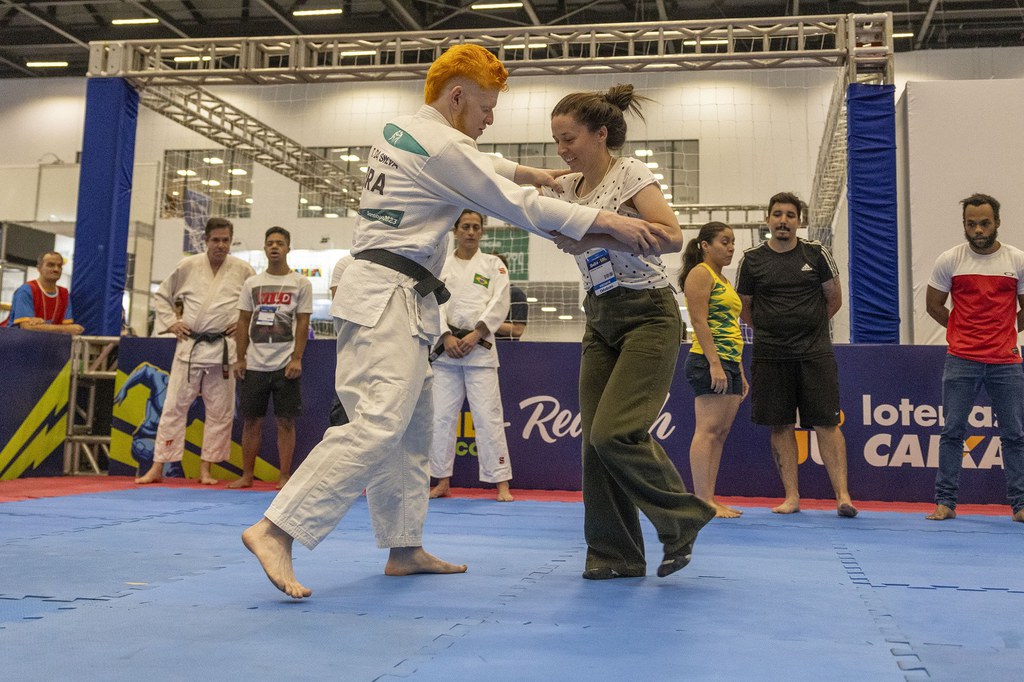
x=724, y=512
x=788, y=507
x=243, y=482
x=282, y=480
x=273, y=547
x=204, y=474
x=441, y=489
x=154, y=475
x=503, y=492
x=410, y=560
x=846, y=510
x=1019, y=516
x=944, y=513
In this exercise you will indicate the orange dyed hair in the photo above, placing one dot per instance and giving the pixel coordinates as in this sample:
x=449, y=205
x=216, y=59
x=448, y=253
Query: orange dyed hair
x=466, y=61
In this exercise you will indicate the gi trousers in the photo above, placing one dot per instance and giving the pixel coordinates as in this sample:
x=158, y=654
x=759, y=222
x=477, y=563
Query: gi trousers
x=629, y=354
x=453, y=382
x=384, y=382
x=218, y=393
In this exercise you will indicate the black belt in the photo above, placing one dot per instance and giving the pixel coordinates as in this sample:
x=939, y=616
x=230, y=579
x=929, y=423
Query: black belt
x=459, y=334
x=426, y=283
x=211, y=337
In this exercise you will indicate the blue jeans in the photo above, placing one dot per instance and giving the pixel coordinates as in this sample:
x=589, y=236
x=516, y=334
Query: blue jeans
x=961, y=382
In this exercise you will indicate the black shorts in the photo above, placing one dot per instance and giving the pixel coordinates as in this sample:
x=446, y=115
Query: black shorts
x=698, y=375
x=779, y=389
x=255, y=389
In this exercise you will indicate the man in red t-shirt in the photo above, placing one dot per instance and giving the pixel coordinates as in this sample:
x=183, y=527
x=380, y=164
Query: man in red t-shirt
x=42, y=305
x=986, y=281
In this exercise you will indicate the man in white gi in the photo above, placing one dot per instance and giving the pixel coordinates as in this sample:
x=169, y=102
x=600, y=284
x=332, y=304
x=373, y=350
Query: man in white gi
x=467, y=364
x=273, y=326
x=422, y=170
x=208, y=285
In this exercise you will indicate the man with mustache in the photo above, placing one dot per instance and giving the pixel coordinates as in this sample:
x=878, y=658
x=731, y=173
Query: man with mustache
x=790, y=290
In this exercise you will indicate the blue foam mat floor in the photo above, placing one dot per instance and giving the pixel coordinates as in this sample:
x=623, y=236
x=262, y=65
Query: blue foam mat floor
x=154, y=584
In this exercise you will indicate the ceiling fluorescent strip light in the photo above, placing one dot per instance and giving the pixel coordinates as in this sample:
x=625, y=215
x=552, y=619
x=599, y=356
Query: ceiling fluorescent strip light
x=317, y=12
x=495, y=5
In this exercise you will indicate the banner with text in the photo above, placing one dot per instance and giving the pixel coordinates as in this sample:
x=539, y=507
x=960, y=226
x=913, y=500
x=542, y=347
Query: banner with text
x=891, y=399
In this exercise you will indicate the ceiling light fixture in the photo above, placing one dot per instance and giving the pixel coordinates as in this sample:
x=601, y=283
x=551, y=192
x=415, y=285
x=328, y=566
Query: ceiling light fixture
x=138, y=21
x=359, y=53
x=46, y=65
x=317, y=12
x=495, y=5
x=907, y=34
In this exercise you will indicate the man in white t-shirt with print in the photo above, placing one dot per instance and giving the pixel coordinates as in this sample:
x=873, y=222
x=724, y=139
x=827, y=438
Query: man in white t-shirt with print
x=273, y=326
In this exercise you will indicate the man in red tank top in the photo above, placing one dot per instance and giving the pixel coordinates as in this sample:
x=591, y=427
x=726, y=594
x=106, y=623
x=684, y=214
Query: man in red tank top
x=42, y=305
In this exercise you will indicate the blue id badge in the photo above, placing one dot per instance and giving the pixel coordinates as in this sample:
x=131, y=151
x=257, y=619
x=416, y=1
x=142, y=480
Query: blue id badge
x=602, y=276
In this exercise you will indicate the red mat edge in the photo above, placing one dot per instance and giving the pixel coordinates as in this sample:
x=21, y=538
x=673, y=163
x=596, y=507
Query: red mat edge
x=59, y=486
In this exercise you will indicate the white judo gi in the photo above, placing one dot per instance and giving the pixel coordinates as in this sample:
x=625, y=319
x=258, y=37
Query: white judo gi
x=480, y=293
x=210, y=305
x=421, y=174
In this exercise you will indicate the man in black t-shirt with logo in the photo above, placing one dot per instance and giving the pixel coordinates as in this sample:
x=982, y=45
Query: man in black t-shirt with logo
x=790, y=290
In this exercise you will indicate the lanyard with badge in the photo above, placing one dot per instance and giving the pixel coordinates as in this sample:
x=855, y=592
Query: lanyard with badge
x=602, y=275
x=267, y=312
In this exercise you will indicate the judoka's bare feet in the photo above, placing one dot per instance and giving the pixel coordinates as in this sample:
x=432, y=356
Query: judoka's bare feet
x=410, y=560
x=243, y=482
x=724, y=512
x=789, y=506
x=441, y=489
x=846, y=510
x=204, y=474
x=1019, y=516
x=503, y=492
x=273, y=547
x=282, y=480
x=944, y=513
x=154, y=475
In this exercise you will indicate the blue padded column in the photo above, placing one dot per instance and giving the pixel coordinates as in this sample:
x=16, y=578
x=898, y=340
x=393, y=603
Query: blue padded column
x=104, y=198
x=871, y=191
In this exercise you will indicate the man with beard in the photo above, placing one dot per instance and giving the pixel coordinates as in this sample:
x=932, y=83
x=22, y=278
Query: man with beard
x=790, y=290
x=986, y=281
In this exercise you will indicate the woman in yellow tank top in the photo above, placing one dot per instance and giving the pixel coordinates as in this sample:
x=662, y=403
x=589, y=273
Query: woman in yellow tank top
x=714, y=365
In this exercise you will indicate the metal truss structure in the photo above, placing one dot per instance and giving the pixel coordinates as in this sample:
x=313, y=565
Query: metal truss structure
x=225, y=124
x=93, y=360
x=169, y=74
x=860, y=42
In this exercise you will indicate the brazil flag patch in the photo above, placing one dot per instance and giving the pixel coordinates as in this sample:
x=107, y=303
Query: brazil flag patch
x=403, y=140
x=481, y=280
